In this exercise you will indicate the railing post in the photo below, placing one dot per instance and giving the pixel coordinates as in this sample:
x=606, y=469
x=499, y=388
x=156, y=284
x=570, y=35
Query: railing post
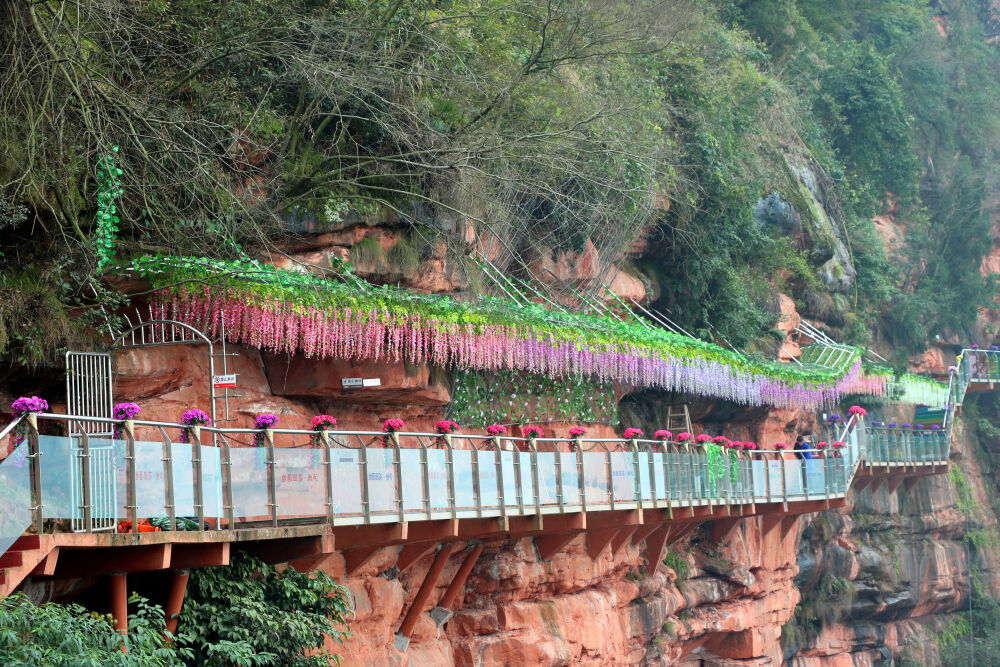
x=611, y=478
x=85, y=482
x=397, y=467
x=366, y=508
x=767, y=476
x=272, y=482
x=636, y=486
x=498, y=459
x=534, y=476
x=449, y=461
x=35, y=471
x=580, y=479
x=559, y=480
x=667, y=486
x=477, y=486
x=128, y=428
x=199, y=492
x=425, y=476
x=518, y=483
x=324, y=438
x=227, y=481
x=168, y=479
x=784, y=481
x=654, y=492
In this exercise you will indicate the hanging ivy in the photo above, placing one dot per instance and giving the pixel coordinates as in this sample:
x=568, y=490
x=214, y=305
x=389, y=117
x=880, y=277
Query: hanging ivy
x=109, y=188
x=716, y=464
x=508, y=397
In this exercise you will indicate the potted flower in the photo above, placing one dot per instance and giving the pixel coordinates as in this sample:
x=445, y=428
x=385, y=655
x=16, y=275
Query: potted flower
x=28, y=407
x=702, y=439
x=684, y=438
x=391, y=427
x=532, y=433
x=576, y=433
x=662, y=437
x=125, y=412
x=632, y=433
x=321, y=424
x=264, y=423
x=837, y=446
x=821, y=447
x=193, y=419
x=494, y=431
x=780, y=447
x=443, y=428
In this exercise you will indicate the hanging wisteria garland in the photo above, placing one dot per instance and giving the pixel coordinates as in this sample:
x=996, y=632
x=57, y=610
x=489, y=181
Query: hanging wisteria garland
x=287, y=312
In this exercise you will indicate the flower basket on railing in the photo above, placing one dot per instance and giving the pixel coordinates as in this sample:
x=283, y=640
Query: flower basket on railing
x=194, y=419
x=684, y=439
x=576, y=433
x=391, y=428
x=531, y=434
x=444, y=428
x=493, y=442
x=321, y=424
x=125, y=412
x=662, y=437
x=28, y=407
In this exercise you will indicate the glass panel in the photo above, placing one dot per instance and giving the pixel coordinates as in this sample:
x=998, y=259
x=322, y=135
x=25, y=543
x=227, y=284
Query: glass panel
x=437, y=470
x=547, y=478
x=774, y=470
x=57, y=480
x=759, y=478
x=381, y=480
x=249, y=473
x=645, y=489
x=658, y=475
x=211, y=481
x=509, y=479
x=793, y=477
x=622, y=476
x=527, y=486
x=150, y=485
x=184, y=477
x=815, y=476
x=489, y=497
x=595, y=477
x=570, y=478
x=15, y=496
x=465, y=491
x=300, y=487
x=346, y=481
x=413, y=483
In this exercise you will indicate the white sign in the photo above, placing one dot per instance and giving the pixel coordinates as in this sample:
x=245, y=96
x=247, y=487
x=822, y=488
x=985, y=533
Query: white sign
x=224, y=381
x=355, y=383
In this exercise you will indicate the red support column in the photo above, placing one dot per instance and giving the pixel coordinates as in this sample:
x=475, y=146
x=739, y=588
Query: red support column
x=175, y=601
x=119, y=601
x=458, y=583
x=426, y=588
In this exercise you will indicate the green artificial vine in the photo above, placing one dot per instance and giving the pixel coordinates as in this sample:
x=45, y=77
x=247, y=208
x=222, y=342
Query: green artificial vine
x=109, y=188
x=716, y=464
x=511, y=397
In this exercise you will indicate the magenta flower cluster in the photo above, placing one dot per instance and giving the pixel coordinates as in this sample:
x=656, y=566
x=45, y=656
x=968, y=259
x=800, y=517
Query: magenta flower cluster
x=496, y=429
x=23, y=406
x=264, y=421
x=446, y=426
x=321, y=423
x=125, y=411
x=632, y=433
x=663, y=435
x=393, y=425
x=532, y=432
x=577, y=431
x=193, y=417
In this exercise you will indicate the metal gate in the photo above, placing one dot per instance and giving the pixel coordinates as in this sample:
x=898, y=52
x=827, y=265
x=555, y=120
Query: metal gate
x=89, y=394
x=88, y=390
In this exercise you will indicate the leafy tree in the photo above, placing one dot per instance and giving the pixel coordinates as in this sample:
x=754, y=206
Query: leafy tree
x=249, y=613
x=69, y=636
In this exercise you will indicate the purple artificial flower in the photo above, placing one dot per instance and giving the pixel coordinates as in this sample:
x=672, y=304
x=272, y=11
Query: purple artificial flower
x=195, y=416
x=126, y=411
x=994, y=347
x=906, y=426
x=833, y=418
x=892, y=424
x=920, y=425
x=876, y=423
x=975, y=346
x=266, y=420
x=935, y=427
x=26, y=404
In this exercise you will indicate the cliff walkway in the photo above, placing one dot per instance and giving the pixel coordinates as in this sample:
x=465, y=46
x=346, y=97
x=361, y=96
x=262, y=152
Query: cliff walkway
x=63, y=498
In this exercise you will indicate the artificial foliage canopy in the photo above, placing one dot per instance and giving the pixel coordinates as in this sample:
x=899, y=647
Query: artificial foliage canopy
x=289, y=312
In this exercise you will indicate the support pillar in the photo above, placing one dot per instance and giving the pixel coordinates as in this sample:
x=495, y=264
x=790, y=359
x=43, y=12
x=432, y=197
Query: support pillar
x=442, y=612
x=119, y=601
x=178, y=586
x=426, y=588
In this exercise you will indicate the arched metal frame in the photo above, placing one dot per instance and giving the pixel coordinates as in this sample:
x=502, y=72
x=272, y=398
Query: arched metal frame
x=157, y=332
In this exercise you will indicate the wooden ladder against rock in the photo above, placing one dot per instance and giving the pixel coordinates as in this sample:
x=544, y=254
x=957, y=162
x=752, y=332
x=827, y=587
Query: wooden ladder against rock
x=678, y=418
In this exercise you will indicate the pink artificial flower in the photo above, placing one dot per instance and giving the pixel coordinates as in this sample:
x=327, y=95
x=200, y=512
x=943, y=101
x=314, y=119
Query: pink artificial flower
x=780, y=445
x=720, y=439
x=749, y=445
x=532, y=432
x=393, y=425
x=631, y=433
x=323, y=422
x=736, y=444
x=681, y=437
x=496, y=429
x=822, y=444
x=702, y=438
x=446, y=426
x=857, y=410
x=663, y=435
x=577, y=431
x=838, y=444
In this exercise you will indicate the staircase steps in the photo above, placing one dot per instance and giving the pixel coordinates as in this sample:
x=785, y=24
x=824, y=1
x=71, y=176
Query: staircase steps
x=27, y=552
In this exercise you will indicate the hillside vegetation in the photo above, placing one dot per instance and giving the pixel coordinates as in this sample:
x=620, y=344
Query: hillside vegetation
x=542, y=123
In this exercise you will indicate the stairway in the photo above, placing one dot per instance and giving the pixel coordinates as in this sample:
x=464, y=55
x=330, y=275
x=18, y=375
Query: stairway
x=28, y=553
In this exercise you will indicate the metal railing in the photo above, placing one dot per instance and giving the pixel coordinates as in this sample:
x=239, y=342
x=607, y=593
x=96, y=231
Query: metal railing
x=362, y=477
